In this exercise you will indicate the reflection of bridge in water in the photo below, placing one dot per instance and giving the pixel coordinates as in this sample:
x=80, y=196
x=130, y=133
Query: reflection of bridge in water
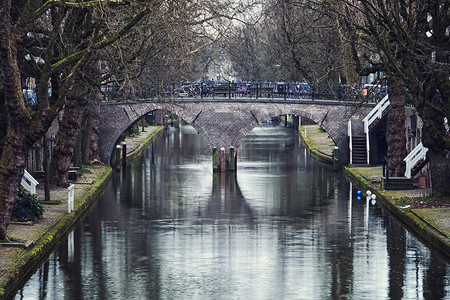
x=224, y=121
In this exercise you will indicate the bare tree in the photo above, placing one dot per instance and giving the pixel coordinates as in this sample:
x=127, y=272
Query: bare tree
x=303, y=40
x=249, y=54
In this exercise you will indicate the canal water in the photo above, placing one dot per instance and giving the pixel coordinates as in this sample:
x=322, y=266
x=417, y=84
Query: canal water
x=283, y=227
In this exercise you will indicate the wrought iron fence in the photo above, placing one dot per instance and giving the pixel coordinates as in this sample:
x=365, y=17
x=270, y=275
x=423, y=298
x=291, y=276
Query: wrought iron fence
x=255, y=90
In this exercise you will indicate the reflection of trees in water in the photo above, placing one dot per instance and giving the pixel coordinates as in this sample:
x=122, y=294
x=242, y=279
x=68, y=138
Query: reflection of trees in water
x=405, y=253
x=396, y=246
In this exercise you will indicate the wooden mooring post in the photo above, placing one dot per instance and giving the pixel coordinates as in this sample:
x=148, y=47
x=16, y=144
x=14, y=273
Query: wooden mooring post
x=215, y=161
x=223, y=160
x=118, y=150
x=124, y=153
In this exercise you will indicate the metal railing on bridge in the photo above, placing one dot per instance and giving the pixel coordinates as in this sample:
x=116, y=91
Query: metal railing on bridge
x=256, y=90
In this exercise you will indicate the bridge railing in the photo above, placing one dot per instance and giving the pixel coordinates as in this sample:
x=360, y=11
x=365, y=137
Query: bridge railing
x=374, y=115
x=256, y=90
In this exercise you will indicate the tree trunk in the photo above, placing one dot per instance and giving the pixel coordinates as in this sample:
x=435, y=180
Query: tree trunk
x=14, y=142
x=14, y=146
x=440, y=172
x=395, y=133
x=46, y=163
x=77, y=160
x=3, y=118
x=95, y=110
x=439, y=158
x=65, y=142
x=12, y=167
x=86, y=138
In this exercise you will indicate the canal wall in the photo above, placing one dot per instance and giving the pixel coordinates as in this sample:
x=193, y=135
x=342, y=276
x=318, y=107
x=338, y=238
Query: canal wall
x=318, y=144
x=33, y=243
x=437, y=238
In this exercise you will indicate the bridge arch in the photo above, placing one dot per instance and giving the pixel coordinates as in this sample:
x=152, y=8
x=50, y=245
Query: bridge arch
x=225, y=123
x=115, y=119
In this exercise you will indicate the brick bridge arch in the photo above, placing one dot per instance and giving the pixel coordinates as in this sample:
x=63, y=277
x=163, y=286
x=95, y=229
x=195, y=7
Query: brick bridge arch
x=225, y=123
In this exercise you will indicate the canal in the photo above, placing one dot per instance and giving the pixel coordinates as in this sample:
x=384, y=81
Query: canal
x=282, y=227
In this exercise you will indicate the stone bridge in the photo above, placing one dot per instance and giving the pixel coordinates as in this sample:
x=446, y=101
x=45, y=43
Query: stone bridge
x=225, y=122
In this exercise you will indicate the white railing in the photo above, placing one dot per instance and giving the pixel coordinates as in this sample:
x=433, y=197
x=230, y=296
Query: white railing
x=375, y=114
x=350, y=144
x=29, y=182
x=418, y=154
x=70, y=198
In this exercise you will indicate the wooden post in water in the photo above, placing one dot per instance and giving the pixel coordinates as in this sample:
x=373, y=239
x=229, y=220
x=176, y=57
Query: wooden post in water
x=232, y=166
x=335, y=158
x=118, y=150
x=223, y=161
x=295, y=121
x=214, y=160
x=124, y=153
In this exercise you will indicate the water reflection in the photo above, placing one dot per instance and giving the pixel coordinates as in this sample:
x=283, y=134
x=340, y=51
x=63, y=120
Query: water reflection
x=283, y=227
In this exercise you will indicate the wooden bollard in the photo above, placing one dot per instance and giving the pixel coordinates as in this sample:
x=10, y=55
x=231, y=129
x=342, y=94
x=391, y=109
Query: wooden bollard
x=118, y=150
x=335, y=156
x=124, y=153
x=223, y=164
x=215, y=161
x=232, y=166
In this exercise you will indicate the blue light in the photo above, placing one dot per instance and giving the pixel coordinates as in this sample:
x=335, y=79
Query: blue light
x=358, y=193
x=358, y=197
